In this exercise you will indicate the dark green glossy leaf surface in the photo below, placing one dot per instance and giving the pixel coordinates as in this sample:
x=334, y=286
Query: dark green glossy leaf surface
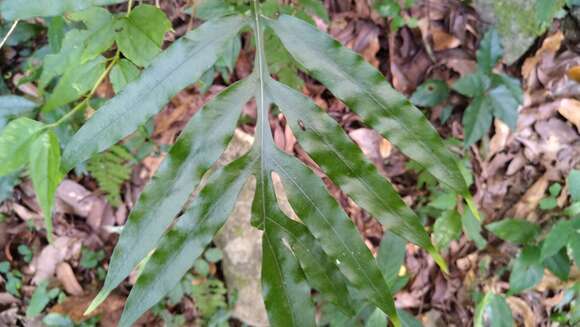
x=505, y=106
x=574, y=184
x=365, y=91
x=477, y=120
x=517, y=231
x=447, y=228
x=75, y=82
x=140, y=35
x=559, y=264
x=334, y=230
x=472, y=85
x=15, y=142
x=430, y=93
x=490, y=51
x=391, y=257
x=13, y=106
x=17, y=9
x=493, y=311
x=557, y=238
x=527, y=270
x=345, y=164
x=198, y=147
x=321, y=272
x=472, y=228
x=286, y=292
x=177, y=67
x=186, y=241
x=123, y=73
x=45, y=173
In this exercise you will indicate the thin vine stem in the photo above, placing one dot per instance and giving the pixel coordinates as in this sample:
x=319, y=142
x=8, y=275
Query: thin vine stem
x=112, y=62
x=88, y=97
x=10, y=31
x=129, y=7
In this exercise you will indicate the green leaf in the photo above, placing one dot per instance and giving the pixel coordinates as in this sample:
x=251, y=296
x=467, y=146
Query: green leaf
x=447, y=228
x=198, y=147
x=334, y=230
x=212, y=9
x=504, y=105
x=472, y=85
x=45, y=173
x=213, y=255
x=123, y=73
x=493, y=311
x=548, y=203
x=140, y=35
x=430, y=94
x=320, y=271
x=13, y=106
x=183, y=243
x=477, y=120
x=444, y=201
x=513, y=84
x=76, y=49
x=57, y=320
x=574, y=244
x=472, y=228
x=366, y=92
x=527, y=270
x=40, y=299
x=16, y=9
x=408, y=319
x=286, y=293
x=574, y=184
x=177, y=67
x=557, y=238
x=391, y=257
x=559, y=264
x=344, y=163
x=75, y=82
x=316, y=8
x=377, y=319
x=7, y=185
x=517, y=231
x=490, y=51
x=56, y=31
x=15, y=142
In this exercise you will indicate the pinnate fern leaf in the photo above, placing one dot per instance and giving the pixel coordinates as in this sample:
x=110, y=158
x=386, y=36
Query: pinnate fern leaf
x=323, y=250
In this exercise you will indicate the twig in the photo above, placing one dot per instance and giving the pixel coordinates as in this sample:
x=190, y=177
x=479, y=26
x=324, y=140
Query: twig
x=10, y=31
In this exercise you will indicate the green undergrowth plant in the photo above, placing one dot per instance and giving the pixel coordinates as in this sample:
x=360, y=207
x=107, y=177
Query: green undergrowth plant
x=492, y=94
x=443, y=205
x=322, y=250
x=555, y=247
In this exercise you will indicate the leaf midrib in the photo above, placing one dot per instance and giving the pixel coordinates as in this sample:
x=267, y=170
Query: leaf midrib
x=331, y=226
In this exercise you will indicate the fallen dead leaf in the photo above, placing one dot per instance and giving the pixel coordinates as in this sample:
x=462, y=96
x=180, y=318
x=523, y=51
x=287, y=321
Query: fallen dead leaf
x=66, y=276
x=63, y=248
x=75, y=306
x=570, y=109
x=531, y=198
x=443, y=40
x=500, y=138
x=522, y=309
x=550, y=46
x=574, y=73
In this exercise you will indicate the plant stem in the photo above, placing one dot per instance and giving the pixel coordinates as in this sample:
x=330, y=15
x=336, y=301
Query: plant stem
x=10, y=31
x=88, y=97
x=129, y=7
